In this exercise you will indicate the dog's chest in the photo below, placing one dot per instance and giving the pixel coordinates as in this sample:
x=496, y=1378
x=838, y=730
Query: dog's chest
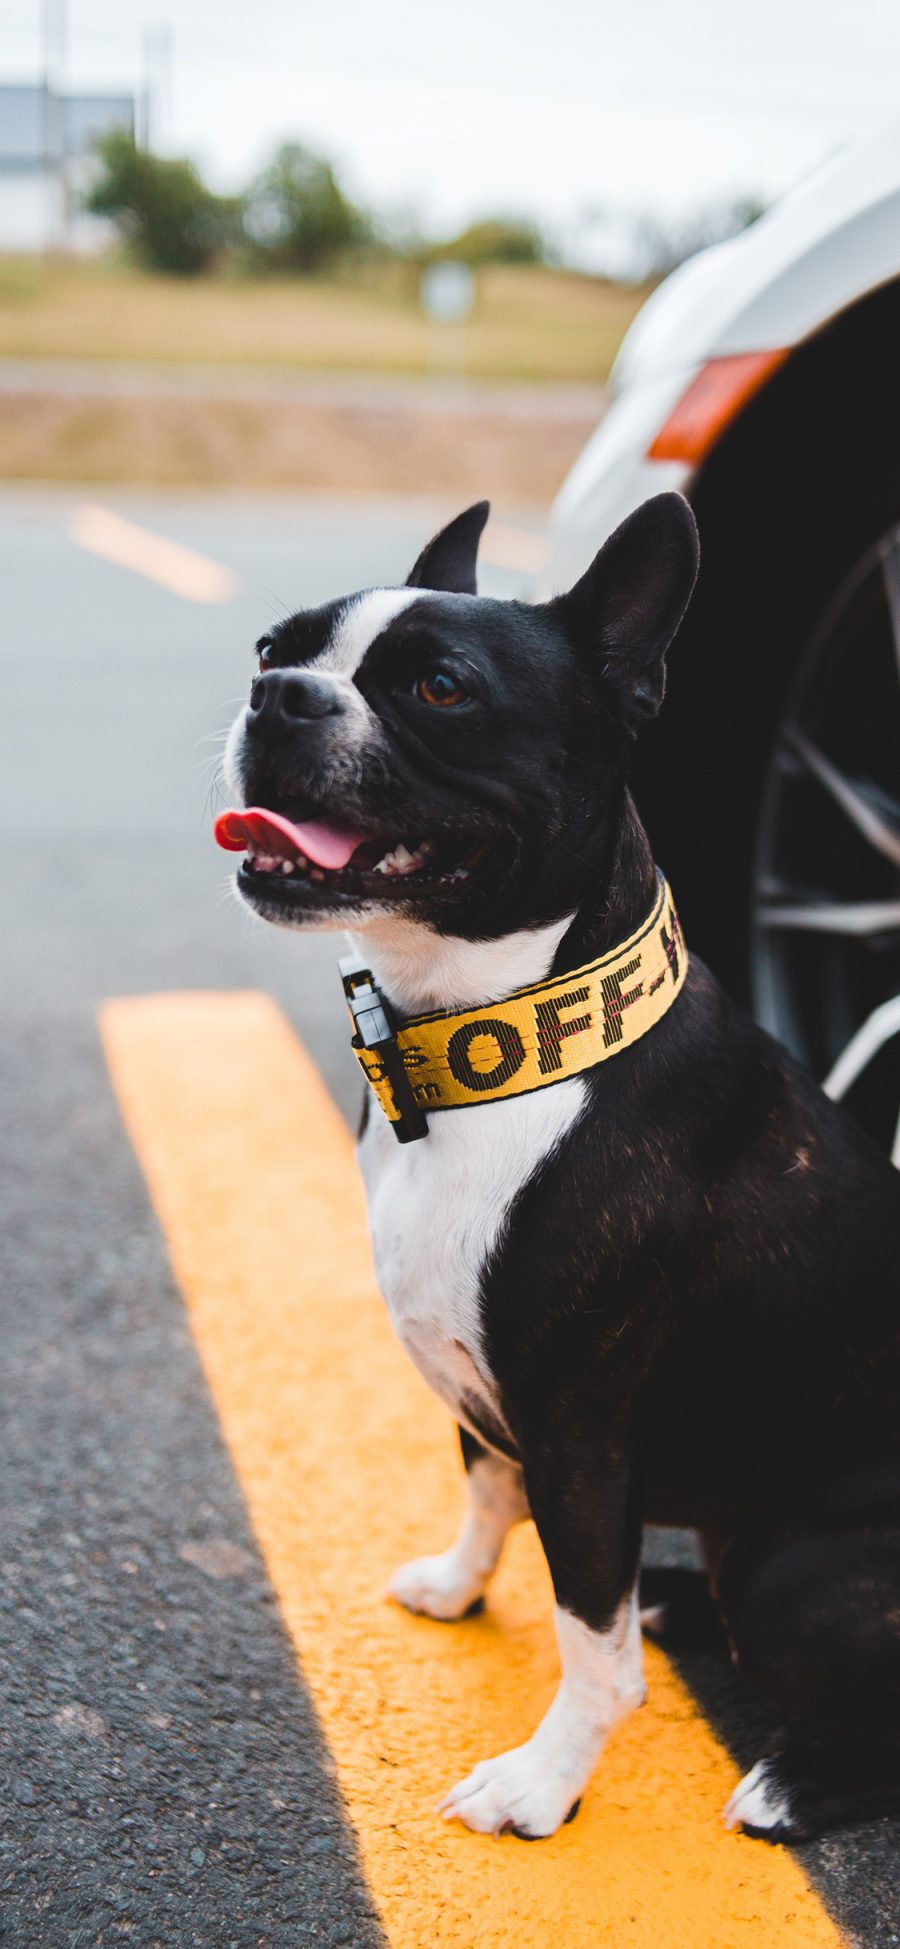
x=438, y=1212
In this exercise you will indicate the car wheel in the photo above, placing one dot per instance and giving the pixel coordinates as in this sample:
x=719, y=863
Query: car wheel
x=825, y=886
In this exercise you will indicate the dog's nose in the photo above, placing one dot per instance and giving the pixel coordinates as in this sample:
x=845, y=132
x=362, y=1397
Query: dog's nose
x=292, y=696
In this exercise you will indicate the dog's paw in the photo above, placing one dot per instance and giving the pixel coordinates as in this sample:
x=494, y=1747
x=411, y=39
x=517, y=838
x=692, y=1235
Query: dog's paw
x=436, y=1586
x=761, y=1804
x=516, y=1793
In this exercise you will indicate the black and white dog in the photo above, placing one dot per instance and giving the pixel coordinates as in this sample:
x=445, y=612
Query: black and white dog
x=663, y=1288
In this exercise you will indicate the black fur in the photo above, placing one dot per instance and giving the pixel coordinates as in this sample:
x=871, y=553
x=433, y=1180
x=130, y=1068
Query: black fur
x=694, y=1321
x=449, y=560
x=693, y=1315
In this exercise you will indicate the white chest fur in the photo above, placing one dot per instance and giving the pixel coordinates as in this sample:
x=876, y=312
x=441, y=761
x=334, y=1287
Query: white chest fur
x=438, y=1209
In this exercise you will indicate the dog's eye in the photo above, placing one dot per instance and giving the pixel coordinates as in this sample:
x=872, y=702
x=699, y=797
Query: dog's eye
x=265, y=650
x=440, y=687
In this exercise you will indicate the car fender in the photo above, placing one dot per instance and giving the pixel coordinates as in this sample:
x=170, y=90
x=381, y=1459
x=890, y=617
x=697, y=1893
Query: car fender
x=819, y=250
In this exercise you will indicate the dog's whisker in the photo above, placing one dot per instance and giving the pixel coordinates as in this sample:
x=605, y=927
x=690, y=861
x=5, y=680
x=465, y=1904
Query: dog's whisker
x=214, y=794
x=262, y=588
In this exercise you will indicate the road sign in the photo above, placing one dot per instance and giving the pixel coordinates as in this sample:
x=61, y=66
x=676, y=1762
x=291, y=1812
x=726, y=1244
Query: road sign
x=447, y=292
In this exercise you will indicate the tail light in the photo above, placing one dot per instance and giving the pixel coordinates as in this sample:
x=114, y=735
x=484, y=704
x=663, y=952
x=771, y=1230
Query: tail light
x=713, y=399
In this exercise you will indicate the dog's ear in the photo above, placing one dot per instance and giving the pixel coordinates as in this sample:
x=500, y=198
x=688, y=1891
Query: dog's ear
x=448, y=561
x=627, y=607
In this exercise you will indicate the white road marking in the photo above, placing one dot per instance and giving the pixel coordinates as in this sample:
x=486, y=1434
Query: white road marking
x=185, y=573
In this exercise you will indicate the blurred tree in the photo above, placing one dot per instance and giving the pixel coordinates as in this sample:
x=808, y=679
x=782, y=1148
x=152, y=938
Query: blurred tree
x=494, y=240
x=661, y=246
x=296, y=216
x=161, y=206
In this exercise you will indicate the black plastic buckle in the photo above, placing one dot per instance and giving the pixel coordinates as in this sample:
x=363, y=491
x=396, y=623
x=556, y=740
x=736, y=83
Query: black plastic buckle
x=374, y=1030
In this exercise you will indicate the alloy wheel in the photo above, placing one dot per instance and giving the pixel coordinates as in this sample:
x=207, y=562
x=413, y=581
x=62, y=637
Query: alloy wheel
x=825, y=927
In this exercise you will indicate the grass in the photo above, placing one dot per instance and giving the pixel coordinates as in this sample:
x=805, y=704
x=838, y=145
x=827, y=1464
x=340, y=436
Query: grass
x=527, y=323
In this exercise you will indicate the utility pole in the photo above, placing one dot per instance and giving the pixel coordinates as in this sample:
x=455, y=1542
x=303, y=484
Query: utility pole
x=55, y=118
x=156, y=92
x=144, y=121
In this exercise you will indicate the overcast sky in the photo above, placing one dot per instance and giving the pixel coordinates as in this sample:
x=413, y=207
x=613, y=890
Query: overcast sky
x=550, y=106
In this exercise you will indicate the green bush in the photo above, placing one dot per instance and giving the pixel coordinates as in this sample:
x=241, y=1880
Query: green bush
x=161, y=207
x=296, y=216
x=494, y=240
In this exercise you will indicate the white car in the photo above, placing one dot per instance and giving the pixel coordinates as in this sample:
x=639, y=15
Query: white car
x=763, y=380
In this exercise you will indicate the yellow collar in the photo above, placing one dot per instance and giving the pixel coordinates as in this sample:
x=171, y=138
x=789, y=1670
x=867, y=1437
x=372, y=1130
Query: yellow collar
x=535, y=1037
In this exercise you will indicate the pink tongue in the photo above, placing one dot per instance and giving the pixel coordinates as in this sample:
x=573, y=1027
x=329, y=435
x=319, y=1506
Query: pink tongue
x=326, y=845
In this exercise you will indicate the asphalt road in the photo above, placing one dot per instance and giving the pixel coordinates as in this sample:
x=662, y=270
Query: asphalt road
x=164, y=1778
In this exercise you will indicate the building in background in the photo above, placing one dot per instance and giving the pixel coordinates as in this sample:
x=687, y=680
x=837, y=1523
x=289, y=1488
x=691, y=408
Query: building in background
x=47, y=156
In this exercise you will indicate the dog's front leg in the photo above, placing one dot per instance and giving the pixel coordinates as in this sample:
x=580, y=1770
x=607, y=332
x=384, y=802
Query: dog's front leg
x=589, y=1524
x=447, y=1586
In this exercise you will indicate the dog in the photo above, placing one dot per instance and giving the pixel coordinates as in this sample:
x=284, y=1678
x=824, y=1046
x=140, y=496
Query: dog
x=656, y=1281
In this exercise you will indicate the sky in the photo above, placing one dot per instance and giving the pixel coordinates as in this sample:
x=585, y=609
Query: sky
x=556, y=108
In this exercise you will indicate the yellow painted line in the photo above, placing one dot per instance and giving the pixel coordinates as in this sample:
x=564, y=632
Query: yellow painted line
x=522, y=549
x=348, y=1466
x=185, y=573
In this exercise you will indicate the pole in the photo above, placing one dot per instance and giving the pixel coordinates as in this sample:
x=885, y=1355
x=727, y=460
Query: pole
x=157, y=89
x=145, y=130
x=54, y=121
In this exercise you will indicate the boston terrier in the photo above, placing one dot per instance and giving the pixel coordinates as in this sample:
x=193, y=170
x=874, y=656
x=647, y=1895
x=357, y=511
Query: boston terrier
x=648, y=1266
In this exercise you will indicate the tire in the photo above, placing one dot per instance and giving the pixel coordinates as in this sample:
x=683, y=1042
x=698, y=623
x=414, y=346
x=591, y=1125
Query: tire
x=824, y=937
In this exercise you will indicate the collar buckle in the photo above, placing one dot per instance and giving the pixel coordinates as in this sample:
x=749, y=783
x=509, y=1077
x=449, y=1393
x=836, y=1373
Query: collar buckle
x=374, y=1030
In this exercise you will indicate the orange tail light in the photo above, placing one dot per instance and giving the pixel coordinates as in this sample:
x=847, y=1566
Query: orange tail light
x=713, y=399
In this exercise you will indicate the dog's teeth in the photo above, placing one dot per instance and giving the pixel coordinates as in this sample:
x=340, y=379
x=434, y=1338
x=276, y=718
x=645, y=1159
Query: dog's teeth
x=315, y=873
x=287, y=866
x=399, y=861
